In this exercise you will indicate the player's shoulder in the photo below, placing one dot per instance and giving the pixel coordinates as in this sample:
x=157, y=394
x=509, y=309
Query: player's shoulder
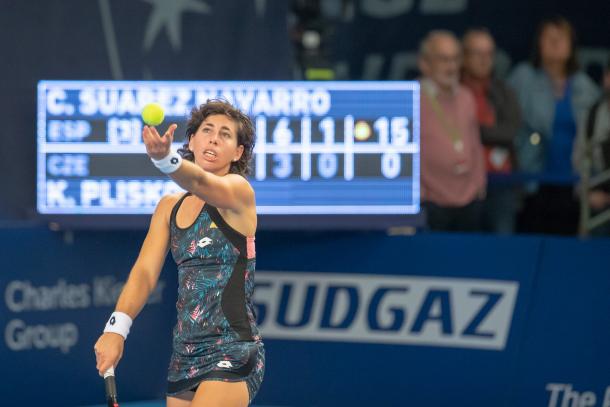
x=167, y=202
x=239, y=181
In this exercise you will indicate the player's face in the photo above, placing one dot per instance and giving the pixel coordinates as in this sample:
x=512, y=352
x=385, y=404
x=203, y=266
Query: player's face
x=214, y=145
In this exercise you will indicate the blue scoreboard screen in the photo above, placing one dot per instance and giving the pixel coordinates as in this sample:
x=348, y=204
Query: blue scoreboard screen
x=322, y=148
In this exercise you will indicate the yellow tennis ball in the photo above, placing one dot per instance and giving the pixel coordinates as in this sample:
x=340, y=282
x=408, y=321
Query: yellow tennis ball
x=153, y=114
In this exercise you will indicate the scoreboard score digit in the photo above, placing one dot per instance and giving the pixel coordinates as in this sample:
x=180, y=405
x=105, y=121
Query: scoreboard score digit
x=322, y=148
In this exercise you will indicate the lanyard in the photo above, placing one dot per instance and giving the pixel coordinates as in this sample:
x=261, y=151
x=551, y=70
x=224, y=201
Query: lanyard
x=453, y=132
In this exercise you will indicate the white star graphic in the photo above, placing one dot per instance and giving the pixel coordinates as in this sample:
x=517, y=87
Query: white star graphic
x=168, y=14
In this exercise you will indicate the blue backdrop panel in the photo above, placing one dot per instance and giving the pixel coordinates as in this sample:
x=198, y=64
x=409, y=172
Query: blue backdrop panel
x=91, y=269
x=394, y=375
x=54, y=285
x=567, y=330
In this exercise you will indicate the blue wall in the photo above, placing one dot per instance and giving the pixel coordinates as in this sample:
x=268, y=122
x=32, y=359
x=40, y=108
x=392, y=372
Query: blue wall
x=447, y=350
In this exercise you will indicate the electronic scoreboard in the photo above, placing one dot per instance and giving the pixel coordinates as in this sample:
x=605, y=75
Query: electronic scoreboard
x=322, y=148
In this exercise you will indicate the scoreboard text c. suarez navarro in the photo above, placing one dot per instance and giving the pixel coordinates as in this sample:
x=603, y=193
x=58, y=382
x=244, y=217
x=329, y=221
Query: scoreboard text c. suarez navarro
x=321, y=147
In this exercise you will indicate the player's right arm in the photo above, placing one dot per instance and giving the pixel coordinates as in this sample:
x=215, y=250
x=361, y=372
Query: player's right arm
x=141, y=282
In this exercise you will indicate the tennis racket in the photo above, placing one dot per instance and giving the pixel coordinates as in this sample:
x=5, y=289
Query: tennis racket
x=110, y=383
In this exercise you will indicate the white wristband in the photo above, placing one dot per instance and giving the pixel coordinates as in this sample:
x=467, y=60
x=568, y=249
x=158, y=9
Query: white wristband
x=119, y=323
x=169, y=163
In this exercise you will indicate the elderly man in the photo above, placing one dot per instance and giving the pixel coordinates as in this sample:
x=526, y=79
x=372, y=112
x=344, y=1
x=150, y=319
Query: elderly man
x=499, y=118
x=452, y=168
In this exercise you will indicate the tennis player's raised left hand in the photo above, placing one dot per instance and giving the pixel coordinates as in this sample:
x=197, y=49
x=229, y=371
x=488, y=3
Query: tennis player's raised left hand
x=157, y=146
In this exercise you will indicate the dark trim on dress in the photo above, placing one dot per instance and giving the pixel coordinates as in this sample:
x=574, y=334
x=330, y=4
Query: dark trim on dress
x=191, y=384
x=236, y=238
x=175, y=209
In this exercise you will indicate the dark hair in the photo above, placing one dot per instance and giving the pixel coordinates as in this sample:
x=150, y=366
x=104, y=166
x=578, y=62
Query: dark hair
x=245, y=131
x=562, y=23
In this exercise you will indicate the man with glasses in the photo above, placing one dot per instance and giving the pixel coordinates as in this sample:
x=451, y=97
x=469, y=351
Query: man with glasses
x=499, y=118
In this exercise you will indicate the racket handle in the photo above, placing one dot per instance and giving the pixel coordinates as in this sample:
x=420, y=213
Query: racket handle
x=111, y=396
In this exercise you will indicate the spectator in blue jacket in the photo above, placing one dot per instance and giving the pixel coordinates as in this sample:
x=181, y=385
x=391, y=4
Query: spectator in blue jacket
x=554, y=95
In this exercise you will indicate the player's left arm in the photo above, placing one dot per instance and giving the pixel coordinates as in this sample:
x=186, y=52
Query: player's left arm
x=231, y=191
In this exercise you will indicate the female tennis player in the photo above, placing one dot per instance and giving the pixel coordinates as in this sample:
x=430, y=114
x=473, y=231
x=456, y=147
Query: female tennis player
x=218, y=355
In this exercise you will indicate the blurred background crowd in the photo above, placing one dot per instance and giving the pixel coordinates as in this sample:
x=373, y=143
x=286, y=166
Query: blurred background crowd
x=519, y=150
